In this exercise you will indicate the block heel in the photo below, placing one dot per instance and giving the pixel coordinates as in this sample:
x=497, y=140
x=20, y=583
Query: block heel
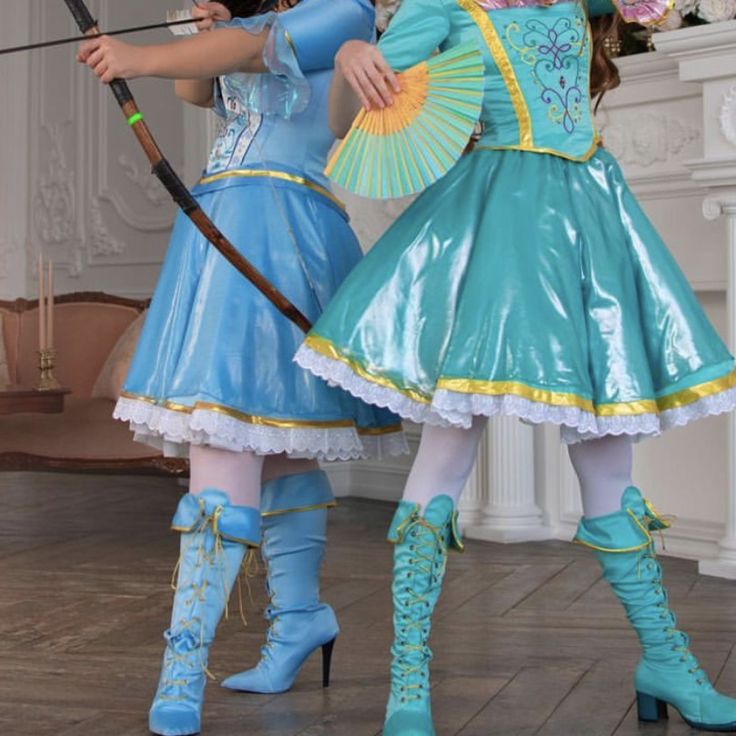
x=650, y=709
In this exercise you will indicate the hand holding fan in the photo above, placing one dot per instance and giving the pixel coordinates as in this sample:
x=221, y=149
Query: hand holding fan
x=402, y=149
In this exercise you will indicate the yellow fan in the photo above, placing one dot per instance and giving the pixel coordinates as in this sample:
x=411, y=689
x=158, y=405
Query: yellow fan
x=402, y=149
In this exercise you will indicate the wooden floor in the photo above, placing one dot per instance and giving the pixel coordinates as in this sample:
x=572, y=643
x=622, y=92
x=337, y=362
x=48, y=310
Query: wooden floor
x=527, y=638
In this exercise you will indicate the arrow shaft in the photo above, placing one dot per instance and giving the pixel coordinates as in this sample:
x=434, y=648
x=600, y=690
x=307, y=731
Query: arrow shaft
x=76, y=39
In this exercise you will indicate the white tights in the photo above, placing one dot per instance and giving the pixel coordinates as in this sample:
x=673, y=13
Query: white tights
x=239, y=474
x=445, y=460
x=447, y=454
x=603, y=468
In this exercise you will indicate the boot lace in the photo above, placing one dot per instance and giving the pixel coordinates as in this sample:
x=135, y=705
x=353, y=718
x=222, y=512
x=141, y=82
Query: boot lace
x=653, y=521
x=172, y=687
x=427, y=556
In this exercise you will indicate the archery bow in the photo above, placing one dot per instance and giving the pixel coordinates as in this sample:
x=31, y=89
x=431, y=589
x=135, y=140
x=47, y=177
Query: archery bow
x=176, y=188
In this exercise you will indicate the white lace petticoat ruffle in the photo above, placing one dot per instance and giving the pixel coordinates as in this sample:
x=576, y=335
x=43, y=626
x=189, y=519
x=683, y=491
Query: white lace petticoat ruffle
x=171, y=432
x=450, y=408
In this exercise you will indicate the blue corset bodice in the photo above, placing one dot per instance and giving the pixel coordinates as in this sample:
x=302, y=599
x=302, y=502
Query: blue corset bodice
x=249, y=139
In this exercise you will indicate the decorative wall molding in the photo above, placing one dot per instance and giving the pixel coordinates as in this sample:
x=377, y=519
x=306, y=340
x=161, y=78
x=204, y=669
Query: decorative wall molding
x=728, y=116
x=101, y=241
x=54, y=203
x=645, y=138
x=151, y=187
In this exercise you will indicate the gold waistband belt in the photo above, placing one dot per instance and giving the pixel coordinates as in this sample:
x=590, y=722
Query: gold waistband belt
x=281, y=175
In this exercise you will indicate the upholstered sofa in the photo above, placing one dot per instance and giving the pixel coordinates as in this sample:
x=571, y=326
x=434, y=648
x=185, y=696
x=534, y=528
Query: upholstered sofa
x=91, y=361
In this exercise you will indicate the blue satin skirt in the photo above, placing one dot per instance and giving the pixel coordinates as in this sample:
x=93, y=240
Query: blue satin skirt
x=214, y=364
x=529, y=285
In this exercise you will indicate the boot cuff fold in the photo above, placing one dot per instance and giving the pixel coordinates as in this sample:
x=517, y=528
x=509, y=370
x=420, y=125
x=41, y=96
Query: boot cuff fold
x=619, y=532
x=300, y=492
x=212, y=508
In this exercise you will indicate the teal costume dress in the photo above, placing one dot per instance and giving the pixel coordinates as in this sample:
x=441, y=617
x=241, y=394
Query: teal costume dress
x=527, y=281
x=214, y=363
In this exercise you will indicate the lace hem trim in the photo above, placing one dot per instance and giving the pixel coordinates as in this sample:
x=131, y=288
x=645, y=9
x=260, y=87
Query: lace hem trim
x=456, y=409
x=172, y=432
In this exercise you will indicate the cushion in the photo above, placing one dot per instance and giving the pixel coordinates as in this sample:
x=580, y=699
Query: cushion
x=109, y=383
x=85, y=333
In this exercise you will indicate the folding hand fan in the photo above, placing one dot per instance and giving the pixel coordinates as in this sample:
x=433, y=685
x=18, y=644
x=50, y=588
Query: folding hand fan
x=402, y=149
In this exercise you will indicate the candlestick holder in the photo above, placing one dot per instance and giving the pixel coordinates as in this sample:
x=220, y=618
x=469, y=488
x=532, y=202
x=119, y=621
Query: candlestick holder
x=46, y=363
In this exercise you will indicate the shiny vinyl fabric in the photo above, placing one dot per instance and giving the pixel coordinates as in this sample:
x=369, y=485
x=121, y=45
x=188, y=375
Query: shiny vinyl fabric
x=668, y=672
x=529, y=285
x=214, y=361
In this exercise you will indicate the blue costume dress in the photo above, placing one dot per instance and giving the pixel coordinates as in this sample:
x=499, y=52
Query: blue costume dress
x=214, y=363
x=527, y=281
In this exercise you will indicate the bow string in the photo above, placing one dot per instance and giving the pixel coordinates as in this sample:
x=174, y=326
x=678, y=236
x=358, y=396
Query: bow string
x=166, y=174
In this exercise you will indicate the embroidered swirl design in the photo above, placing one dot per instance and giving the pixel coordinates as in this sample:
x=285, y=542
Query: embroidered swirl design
x=554, y=51
x=237, y=134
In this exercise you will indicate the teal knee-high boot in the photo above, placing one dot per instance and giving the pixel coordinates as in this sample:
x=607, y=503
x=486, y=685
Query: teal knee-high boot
x=668, y=672
x=214, y=539
x=420, y=557
x=294, y=536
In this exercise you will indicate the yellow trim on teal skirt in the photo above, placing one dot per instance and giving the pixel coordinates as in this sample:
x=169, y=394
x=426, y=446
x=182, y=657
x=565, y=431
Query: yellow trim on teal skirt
x=534, y=394
x=325, y=347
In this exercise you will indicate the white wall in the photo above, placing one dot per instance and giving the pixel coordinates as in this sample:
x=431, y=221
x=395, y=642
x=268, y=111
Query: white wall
x=14, y=149
x=81, y=188
x=76, y=186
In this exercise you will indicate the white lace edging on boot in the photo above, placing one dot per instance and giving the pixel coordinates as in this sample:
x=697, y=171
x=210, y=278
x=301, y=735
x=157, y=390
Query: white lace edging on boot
x=172, y=432
x=458, y=409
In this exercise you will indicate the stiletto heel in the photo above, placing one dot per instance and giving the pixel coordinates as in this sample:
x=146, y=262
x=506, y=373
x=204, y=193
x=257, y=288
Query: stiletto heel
x=650, y=708
x=327, y=661
x=293, y=547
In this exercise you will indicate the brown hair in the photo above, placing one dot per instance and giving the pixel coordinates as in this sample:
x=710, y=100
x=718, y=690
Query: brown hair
x=604, y=74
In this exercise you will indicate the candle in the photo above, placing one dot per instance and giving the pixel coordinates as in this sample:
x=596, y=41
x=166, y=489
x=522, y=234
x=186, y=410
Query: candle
x=41, y=306
x=50, y=321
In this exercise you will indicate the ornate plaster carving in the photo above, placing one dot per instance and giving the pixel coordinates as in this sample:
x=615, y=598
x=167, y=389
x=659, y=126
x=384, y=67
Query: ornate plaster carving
x=728, y=116
x=101, y=241
x=54, y=203
x=646, y=138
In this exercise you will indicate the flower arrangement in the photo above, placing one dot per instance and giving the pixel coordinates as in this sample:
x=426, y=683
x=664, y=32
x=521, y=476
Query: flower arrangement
x=696, y=12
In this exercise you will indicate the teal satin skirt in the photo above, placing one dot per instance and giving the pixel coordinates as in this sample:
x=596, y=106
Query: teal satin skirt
x=529, y=285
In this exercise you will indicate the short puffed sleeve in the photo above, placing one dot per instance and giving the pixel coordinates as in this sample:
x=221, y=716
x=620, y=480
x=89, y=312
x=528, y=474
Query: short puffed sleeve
x=302, y=39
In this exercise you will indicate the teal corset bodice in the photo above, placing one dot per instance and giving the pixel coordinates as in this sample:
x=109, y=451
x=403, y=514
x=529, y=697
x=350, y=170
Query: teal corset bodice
x=537, y=77
x=537, y=60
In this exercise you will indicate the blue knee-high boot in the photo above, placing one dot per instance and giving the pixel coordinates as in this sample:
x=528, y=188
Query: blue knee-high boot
x=215, y=536
x=668, y=673
x=294, y=535
x=420, y=556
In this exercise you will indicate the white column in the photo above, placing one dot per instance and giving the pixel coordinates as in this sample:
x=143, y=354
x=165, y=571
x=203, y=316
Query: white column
x=14, y=126
x=510, y=513
x=475, y=496
x=724, y=564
